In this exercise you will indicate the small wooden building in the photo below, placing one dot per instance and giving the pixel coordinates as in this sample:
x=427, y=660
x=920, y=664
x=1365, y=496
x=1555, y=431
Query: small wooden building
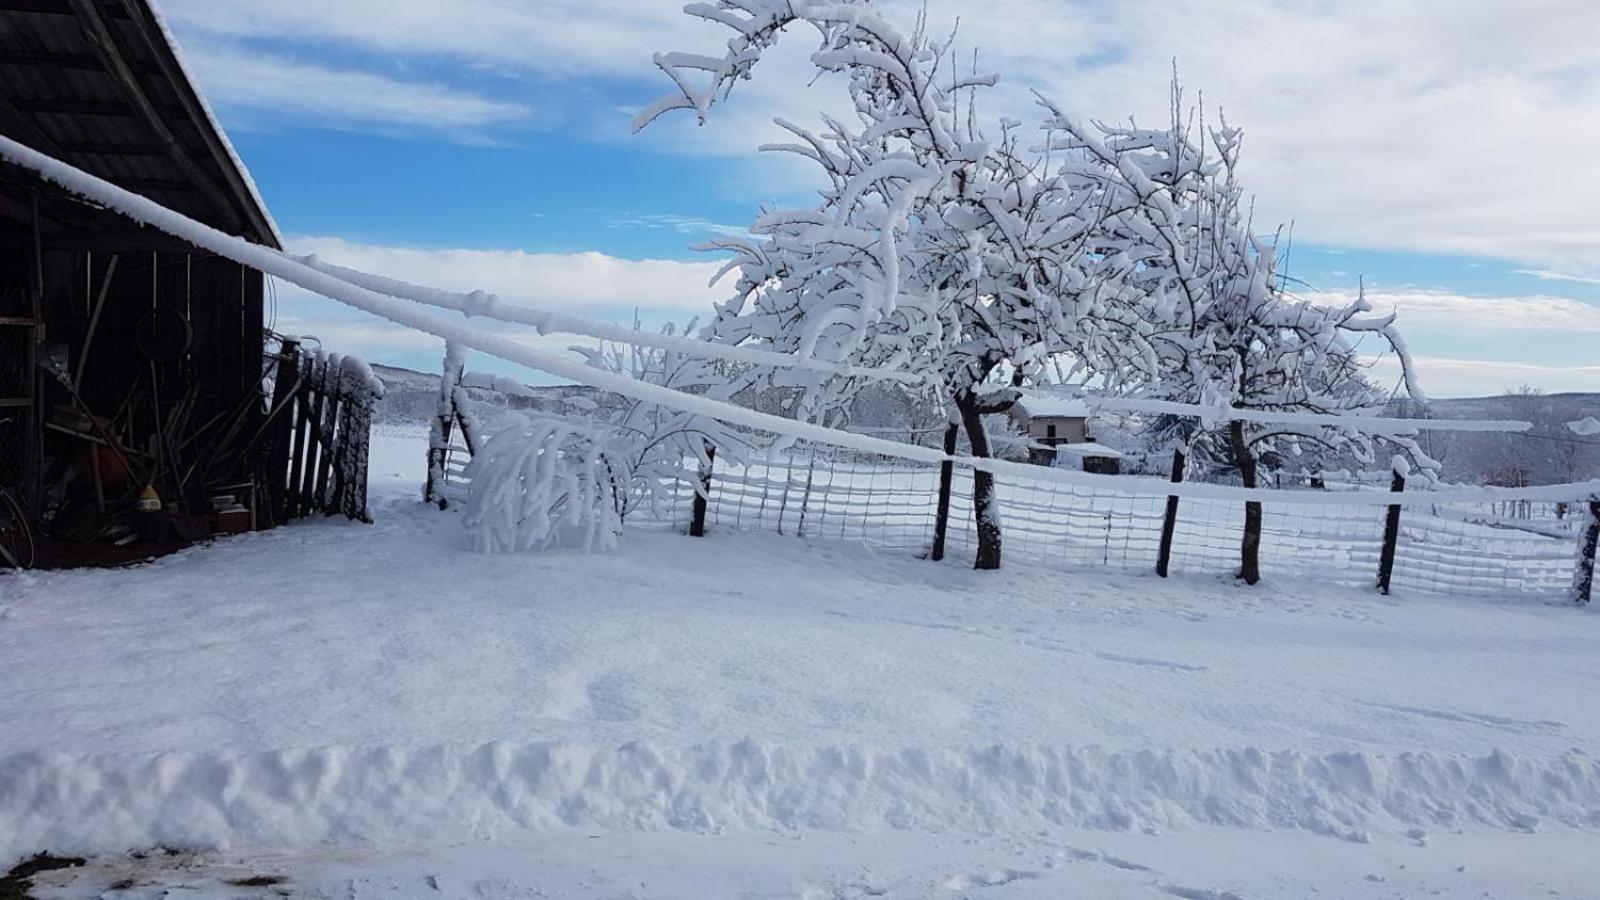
x=1061, y=425
x=129, y=360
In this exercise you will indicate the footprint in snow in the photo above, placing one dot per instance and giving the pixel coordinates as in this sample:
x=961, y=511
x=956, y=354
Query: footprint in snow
x=1189, y=893
x=988, y=878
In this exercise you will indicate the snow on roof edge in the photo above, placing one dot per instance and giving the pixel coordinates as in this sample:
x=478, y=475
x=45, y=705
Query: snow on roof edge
x=211, y=119
x=1088, y=448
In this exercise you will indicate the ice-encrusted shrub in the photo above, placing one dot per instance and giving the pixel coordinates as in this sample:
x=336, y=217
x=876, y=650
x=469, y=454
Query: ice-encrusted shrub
x=547, y=481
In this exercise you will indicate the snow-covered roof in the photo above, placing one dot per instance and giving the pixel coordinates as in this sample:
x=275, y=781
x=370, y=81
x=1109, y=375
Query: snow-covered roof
x=137, y=118
x=1038, y=405
x=246, y=180
x=1087, y=448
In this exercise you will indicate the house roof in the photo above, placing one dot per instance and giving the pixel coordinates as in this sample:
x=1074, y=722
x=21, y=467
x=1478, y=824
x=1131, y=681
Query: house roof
x=1042, y=405
x=100, y=84
x=1087, y=448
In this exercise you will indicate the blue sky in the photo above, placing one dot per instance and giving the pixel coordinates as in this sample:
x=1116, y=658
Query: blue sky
x=485, y=144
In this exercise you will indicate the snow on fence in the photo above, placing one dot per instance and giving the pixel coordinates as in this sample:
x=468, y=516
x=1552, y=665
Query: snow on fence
x=891, y=504
x=320, y=424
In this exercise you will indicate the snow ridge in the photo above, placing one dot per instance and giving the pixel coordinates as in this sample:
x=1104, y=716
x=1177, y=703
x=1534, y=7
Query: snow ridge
x=297, y=798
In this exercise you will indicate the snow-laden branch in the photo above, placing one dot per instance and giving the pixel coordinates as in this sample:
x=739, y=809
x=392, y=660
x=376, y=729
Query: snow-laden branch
x=486, y=305
x=545, y=482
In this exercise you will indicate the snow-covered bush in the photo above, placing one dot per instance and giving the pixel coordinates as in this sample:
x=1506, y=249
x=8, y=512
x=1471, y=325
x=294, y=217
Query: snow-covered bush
x=554, y=480
x=547, y=481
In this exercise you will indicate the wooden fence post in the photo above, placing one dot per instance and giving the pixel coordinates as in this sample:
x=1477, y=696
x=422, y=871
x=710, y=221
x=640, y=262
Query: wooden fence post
x=362, y=436
x=1169, y=525
x=298, y=504
x=285, y=383
x=445, y=414
x=1583, y=584
x=941, y=516
x=1391, y=536
x=315, y=448
x=697, y=525
x=805, y=499
x=326, y=476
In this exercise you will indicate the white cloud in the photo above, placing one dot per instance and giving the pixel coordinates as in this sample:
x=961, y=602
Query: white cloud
x=574, y=37
x=1440, y=125
x=1449, y=313
x=691, y=225
x=1437, y=124
x=569, y=281
x=1444, y=377
x=1547, y=275
x=243, y=80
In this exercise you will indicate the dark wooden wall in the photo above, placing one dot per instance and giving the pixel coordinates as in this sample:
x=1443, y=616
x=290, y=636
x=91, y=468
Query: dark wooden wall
x=222, y=301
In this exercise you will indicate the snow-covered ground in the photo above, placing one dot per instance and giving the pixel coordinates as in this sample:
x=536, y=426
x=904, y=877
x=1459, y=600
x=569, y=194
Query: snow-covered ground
x=371, y=710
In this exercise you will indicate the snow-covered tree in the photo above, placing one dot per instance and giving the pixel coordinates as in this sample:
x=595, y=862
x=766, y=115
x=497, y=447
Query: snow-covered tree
x=938, y=247
x=968, y=256
x=1219, y=329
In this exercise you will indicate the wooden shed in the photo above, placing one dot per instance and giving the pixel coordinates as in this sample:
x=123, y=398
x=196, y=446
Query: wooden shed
x=129, y=360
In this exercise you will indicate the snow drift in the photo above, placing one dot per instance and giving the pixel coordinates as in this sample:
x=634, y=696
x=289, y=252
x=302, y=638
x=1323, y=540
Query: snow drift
x=287, y=799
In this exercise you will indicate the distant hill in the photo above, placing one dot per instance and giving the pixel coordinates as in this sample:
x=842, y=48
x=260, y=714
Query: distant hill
x=412, y=396
x=1494, y=407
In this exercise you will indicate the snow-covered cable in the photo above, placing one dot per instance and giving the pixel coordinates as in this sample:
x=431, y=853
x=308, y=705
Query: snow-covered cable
x=272, y=262
x=491, y=306
x=1370, y=424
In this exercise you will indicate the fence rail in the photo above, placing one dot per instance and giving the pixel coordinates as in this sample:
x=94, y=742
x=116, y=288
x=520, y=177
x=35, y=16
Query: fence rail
x=891, y=504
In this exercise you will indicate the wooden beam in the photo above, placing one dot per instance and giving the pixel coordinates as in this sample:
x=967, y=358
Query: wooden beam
x=82, y=147
x=142, y=185
x=129, y=241
x=23, y=127
x=22, y=213
x=86, y=62
x=76, y=107
x=105, y=46
x=48, y=7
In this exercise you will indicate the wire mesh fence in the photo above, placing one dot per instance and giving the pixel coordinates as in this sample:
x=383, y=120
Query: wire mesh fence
x=891, y=504
x=883, y=503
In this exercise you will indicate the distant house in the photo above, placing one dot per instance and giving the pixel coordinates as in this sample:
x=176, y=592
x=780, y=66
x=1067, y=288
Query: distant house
x=1061, y=425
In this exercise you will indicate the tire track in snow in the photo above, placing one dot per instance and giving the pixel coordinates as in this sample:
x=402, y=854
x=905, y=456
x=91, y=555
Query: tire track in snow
x=1521, y=726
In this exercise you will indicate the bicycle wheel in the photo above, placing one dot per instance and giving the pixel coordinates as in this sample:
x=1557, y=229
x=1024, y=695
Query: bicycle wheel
x=16, y=541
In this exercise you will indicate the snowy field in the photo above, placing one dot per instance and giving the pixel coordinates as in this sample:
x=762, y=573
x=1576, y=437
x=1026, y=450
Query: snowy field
x=367, y=711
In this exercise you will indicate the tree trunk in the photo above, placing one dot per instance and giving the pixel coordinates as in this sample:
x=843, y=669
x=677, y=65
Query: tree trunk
x=1250, y=548
x=985, y=510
